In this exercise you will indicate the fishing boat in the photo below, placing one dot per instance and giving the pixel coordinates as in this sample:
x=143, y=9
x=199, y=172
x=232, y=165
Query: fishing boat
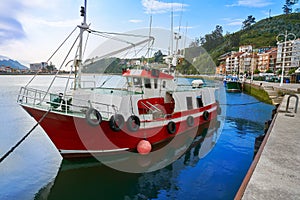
x=232, y=84
x=83, y=117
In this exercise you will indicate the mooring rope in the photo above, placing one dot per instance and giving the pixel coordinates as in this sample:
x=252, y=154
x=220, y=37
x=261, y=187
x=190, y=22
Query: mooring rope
x=241, y=104
x=24, y=137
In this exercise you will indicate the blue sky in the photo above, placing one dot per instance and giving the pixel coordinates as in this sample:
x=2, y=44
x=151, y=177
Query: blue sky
x=31, y=30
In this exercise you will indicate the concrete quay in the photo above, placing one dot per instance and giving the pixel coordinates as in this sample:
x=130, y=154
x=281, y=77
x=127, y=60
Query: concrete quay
x=277, y=92
x=275, y=170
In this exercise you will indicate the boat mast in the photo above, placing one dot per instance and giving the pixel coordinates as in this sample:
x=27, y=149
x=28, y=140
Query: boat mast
x=82, y=27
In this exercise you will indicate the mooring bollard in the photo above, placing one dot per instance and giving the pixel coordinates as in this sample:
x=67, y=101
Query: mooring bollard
x=288, y=103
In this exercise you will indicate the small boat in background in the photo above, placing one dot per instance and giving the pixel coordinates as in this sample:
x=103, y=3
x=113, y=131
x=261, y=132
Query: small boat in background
x=232, y=84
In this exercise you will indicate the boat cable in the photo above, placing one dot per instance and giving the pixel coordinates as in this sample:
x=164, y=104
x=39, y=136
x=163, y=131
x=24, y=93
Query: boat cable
x=241, y=104
x=53, y=55
x=85, y=46
x=24, y=137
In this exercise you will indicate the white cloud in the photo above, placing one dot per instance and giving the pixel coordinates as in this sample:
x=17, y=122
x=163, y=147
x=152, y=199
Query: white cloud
x=233, y=22
x=155, y=6
x=35, y=24
x=135, y=21
x=53, y=24
x=252, y=3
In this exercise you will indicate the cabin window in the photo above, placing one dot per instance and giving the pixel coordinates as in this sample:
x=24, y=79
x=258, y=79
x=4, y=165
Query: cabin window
x=147, y=83
x=155, y=72
x=155, y=83
x=137, y=81
x=189, y=103
x=164, y=84
x=199, y=101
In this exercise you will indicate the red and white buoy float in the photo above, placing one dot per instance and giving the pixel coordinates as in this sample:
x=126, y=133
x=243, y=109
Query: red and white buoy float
x=144, y=147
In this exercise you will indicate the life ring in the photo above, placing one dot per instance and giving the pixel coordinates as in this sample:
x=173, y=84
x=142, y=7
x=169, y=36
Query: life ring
x=190, y=121
x=93, y=117
x=171, y=127
x=116, y=122
x=133, y=123
x=205, y=115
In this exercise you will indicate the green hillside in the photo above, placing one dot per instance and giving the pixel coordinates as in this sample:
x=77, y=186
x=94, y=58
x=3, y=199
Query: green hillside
x=264, y=32
x=261, y=34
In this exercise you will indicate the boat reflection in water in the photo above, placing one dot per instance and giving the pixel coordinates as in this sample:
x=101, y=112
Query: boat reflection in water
x=90, y=179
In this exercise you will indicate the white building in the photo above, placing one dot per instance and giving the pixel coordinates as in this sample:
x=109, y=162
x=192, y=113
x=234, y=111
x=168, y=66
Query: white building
x=246, y=48
x=288, y=53
x=38, y=66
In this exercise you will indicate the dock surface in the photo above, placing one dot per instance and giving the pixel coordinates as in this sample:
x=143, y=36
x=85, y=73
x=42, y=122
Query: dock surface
x=276, y=170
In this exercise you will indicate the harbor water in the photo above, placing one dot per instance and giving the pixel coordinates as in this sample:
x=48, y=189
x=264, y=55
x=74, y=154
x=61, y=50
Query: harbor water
x=35, y=170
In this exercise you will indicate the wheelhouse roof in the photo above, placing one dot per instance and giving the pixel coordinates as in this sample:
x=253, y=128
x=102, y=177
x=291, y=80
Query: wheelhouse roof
x=154, y=73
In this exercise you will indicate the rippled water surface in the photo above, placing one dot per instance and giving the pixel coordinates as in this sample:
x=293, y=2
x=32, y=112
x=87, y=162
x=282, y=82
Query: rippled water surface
x=35, y=169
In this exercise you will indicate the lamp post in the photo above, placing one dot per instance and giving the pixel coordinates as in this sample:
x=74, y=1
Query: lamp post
x=286, y=37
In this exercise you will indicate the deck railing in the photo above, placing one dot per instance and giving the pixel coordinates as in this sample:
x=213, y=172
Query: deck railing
x=62, y=103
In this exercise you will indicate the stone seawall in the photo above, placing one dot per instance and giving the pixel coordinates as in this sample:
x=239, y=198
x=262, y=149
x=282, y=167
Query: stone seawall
x=271, y=93
x=258, y=92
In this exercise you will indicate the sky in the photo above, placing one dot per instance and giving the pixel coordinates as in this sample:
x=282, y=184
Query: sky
x=31, y=30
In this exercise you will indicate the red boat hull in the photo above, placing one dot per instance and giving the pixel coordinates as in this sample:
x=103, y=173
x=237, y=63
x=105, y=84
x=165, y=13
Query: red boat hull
x=74, y=136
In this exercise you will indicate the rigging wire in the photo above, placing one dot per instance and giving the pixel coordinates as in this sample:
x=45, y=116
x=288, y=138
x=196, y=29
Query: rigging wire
x=52, y=55
x=150, y=32
x=181, y=13
x=62, y=44
x=24, y=137
x=60, y=68
x=85, y=46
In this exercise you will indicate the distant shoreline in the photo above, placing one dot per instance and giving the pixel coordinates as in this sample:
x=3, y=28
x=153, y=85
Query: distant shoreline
x=30, y=74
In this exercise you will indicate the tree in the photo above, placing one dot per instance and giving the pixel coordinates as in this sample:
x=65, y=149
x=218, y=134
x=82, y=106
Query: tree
x=195, y=43
x=287, y=7
x=269, y=71
x=214, y=39
x=248, y=22
x=158, y=56
x=292, y=71
x=256, y=71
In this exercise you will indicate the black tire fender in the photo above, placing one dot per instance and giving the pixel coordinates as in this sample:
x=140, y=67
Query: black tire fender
x=133, y=123
x=206, y=115
x=93, y=117
x=116, y=122
x=171, y=127
x=190, y=121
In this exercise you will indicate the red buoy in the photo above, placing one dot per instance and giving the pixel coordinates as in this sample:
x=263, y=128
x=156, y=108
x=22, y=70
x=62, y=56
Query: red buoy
x=144, y=147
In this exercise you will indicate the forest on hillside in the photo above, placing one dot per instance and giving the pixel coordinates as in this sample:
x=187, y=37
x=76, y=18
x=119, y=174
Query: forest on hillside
x=258, y=34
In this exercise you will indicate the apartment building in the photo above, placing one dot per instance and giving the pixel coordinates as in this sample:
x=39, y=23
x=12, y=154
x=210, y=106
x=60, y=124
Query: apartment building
x=267, y=60
x=288, y=54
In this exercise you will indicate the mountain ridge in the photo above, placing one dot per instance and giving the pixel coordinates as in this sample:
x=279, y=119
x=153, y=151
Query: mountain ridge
x=8, y=62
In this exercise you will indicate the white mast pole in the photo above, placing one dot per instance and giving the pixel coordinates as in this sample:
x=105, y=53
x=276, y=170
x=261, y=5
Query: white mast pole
x=83, y=27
